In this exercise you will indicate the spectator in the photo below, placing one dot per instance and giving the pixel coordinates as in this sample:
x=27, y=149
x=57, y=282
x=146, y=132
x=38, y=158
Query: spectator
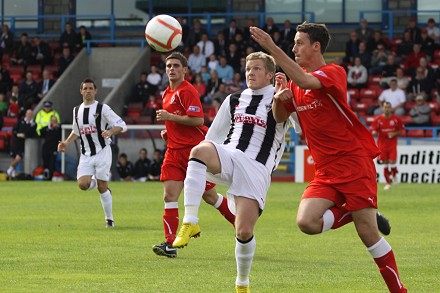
x=64, y=61
x=45, y=84
x=414, y=30
x=212, y=112
x=141, y=93
x=433, y=31
x=220, y=45
x=377, y=40
x=23, y=129
x=23, y=54
x=195, y=34
x=41, y=52
x=428, y=44
x=233, y=57
x=357, y=76
x=142, y=166
x=288, y=33
x=206, y=46
x=428, y=70
x=52, y=136
x=270, y=26
x=3, y=105
x=13, y=107
x=225, y=71
x=221, y=93
x=338, y=61
x=153, y=79
x=351, y=48
x=420, y=113
x=236, y=84
x=419, y=84
x=395, y=96
x=406, y=46
x=241, y=44
x=213, y=62
x=230, y=31
x=28, y=91
x=365, y=33
x=6, y=41
x=200, y=86
x=413, y=59
x=151, y=107
x=44, y=117
x=390, y=67
x=83, y=36
x=402, y=79
x=185, y=34
x=156, y=166
x=213, y=84
x=246, y=33
x=378, y=60
x=124, y=167
x=205, y=74
x=69, y=38
x=6, y=77
x=196, y=60
x=364, y=55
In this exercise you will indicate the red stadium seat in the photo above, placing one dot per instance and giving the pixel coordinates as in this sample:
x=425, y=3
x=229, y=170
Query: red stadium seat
x=435, y=120
x=368, y=94
x=436, y=56
x=406, y=119
x=415, y=133
x=369, y=119
x=9, y=121
x=354, y=94
x=428, y=133
x=374, y=80
x=435, y=107
x=360, y=107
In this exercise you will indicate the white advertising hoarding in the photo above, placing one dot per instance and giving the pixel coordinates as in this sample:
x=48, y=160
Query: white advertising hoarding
x=415, y=164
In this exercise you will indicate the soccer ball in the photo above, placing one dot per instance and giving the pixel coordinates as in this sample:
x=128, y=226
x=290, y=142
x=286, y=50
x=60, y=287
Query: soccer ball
x=163, y=33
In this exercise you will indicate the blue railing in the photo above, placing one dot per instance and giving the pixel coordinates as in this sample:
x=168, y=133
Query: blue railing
x=389, y=15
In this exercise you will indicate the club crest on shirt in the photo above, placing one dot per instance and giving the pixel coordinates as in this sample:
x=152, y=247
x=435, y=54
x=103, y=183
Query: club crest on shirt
x=96, y=115
x=194, y=109
x=268, y=107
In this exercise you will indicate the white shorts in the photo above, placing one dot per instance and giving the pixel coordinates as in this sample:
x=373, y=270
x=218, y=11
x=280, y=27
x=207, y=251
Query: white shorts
x=244, y=176
x=98, y=165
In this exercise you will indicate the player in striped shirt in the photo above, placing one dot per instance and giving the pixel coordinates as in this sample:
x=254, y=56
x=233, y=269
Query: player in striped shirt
x=94, y=123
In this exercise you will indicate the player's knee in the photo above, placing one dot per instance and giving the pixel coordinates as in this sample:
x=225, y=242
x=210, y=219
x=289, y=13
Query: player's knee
x=307, y=226
x=83, y=185
x=201, y=151
x=243, y=233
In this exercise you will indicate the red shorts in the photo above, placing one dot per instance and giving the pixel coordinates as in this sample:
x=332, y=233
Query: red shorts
x=175, y=164
x=349, y=181
x=388, y=154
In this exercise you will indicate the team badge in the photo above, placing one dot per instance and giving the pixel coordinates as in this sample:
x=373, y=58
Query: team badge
x=96, y=115
x=268, y=107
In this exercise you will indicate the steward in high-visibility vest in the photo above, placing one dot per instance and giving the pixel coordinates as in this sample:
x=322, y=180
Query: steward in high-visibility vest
x=42, y=119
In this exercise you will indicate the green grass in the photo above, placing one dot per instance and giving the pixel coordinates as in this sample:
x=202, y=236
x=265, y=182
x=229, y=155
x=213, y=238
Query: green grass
x=52, y=239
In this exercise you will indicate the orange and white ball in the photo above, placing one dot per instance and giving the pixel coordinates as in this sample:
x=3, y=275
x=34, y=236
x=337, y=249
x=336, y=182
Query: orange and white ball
x=163, y=33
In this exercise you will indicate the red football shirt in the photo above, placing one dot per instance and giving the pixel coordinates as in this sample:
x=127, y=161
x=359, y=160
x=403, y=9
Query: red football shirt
x=330, y=127
x=383, y=126
x=183, y=101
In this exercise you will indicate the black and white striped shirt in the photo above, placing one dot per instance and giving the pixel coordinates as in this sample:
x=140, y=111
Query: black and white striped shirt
x=90, y=121
x=245, y=122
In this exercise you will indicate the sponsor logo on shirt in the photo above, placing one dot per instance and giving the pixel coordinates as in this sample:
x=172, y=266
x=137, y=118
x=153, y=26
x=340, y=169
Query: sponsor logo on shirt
x=313, y=105
x=248, y=119
x=194, y=109
x=84, y=130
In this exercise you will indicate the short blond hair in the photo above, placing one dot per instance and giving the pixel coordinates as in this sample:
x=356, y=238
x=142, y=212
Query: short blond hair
x=269, y=62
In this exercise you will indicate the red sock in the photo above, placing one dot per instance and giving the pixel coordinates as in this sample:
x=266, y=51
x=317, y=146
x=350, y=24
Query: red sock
x=386, y=173
x=170, y=224
x=394, y=172
x=388, y=269
x=224, y=210
x=342, y=216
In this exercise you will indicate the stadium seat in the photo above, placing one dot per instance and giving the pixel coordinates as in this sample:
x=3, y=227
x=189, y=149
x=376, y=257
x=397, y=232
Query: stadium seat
x=435, y=107
x=406, y=119
x=144, y=120
x=436, y=56
x=9, y=121
x=369, y=119
x=428, y=133
x=360, y=107
x=415, y=133
x=408, y=106
x=435, y=120
x=374, y=81
x=354, y=94
x=368, y=93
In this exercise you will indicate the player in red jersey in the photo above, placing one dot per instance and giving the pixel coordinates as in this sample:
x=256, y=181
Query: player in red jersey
x=183, y=116
x=388, y=127
x=344, y=188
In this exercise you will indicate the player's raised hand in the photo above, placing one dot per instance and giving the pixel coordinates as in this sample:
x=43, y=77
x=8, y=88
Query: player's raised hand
x=280, y=81
x=262, y=38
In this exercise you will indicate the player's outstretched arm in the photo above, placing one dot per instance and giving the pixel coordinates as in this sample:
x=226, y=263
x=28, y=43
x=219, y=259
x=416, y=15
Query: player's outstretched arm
x=62, y=145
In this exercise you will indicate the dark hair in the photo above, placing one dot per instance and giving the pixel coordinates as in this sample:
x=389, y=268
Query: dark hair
x=87, y=80
x=179, y=56
x=317, y=33
x=123, y=155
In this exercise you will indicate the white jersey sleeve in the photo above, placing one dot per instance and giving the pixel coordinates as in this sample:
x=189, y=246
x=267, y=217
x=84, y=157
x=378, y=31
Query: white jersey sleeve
x=112, y=119
x=75, y=128
x=221, y=124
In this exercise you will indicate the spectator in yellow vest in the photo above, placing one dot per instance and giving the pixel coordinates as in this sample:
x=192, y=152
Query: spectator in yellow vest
x=42, y=119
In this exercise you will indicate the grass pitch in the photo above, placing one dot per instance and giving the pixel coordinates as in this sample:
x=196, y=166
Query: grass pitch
x=53, y=239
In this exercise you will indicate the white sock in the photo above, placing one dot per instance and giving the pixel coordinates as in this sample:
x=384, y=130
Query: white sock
x=93, y=183
x=194, y=186
x=244, y=253
x=106, y=201
x=327, y=220
x=219, y=200
x=379, y=249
